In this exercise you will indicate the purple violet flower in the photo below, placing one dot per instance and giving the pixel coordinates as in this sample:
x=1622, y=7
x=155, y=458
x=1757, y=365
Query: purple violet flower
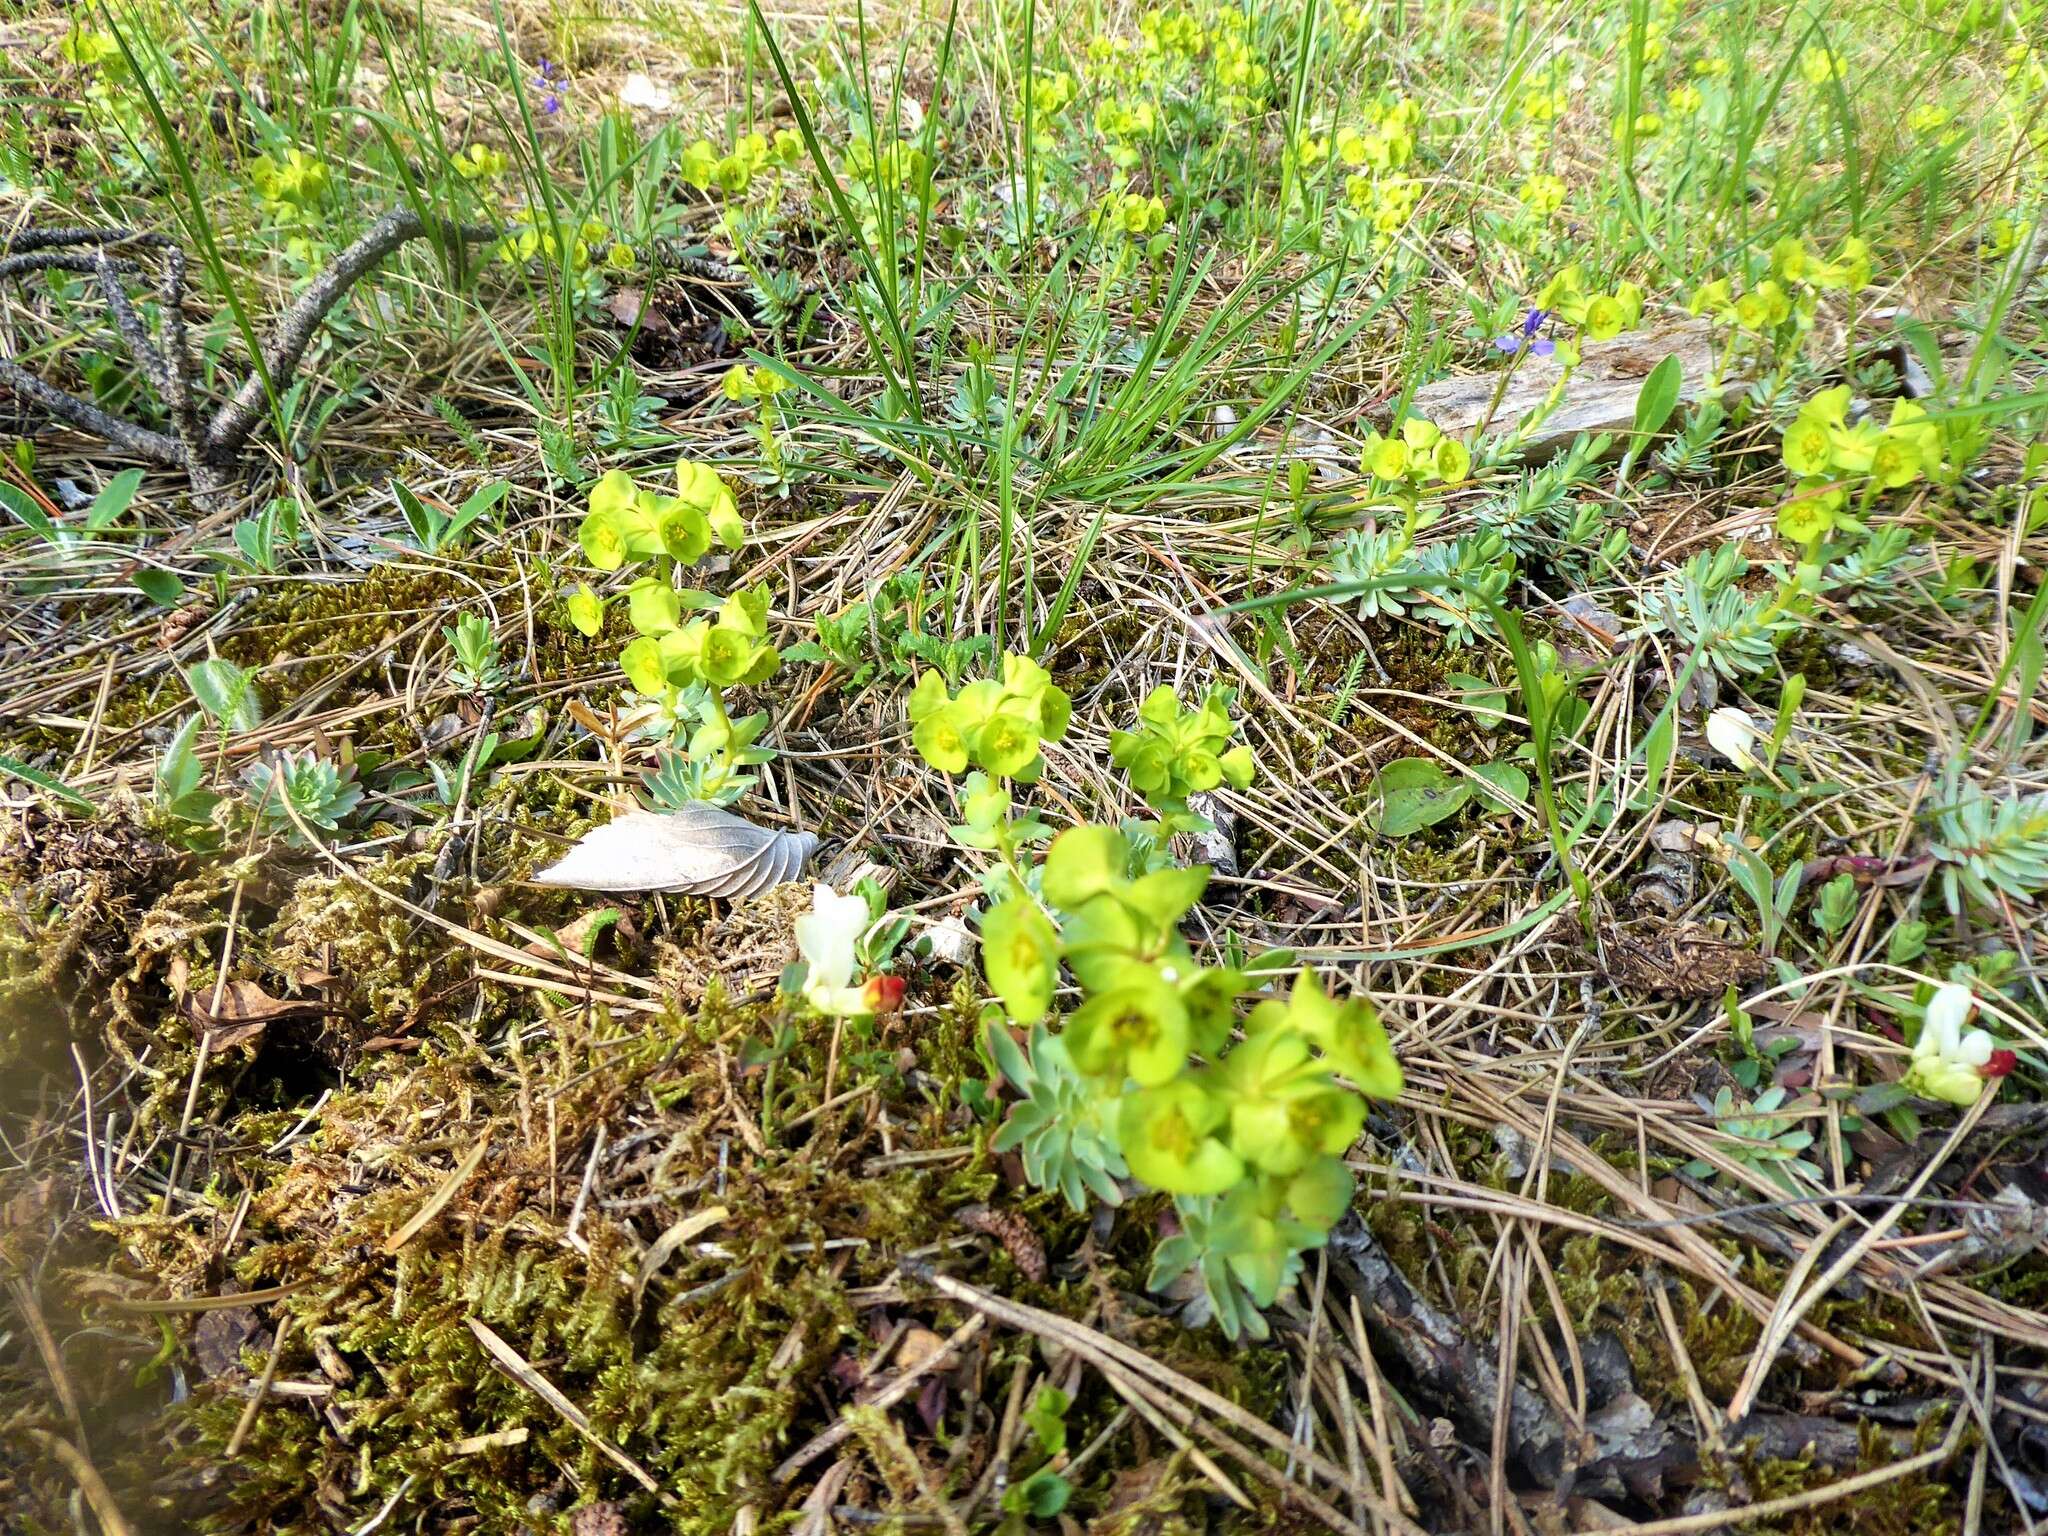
x=1525, y=337
x=550, y=82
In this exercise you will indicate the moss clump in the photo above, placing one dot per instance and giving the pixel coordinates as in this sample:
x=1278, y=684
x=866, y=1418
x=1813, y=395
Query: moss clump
x=324, y=628
x=694, y=1397
x=687, y=1382
x=72, y=891
x=705, y=1373
x=1916, y=1505
x=387, y=965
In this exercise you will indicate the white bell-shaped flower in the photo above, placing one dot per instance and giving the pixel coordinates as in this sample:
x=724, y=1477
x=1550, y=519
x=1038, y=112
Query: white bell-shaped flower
x=828, y=937
x=1947, y=1058
x=1732, y=733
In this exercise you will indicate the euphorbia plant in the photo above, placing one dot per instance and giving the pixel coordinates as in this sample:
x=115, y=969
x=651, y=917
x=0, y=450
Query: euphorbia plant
x=1248, y=1136
x=1830, y=457
x=1175, y=753
x=682, y=666
x=1599, y=316
x=1143, y=1080
x=997, y=726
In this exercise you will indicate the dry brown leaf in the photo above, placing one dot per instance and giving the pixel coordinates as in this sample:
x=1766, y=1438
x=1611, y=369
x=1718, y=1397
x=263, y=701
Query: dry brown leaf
x=220, y=1338
x=629, y=307
x=245, y=1012
x=574, y=938
x=1686, y=961
x=918, y=1346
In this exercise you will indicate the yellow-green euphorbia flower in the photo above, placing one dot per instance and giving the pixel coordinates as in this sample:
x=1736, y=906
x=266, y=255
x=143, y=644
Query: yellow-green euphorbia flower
x=1167, y=1135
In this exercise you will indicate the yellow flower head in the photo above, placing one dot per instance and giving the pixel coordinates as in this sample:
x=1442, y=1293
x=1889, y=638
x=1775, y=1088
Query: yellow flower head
x=1543, y=193
x=480, y=162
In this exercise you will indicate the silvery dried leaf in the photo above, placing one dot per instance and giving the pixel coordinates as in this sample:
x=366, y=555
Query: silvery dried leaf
x=697, y=850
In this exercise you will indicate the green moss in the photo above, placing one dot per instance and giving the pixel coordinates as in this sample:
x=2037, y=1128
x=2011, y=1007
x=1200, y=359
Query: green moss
x=388, y=964
x=688, y=1382
x=1920, y=1504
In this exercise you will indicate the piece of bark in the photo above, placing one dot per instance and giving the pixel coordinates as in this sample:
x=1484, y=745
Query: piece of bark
x=1599, y=397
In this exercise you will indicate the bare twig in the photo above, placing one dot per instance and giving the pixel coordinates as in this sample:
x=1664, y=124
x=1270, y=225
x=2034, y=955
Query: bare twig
x=254, y=1406
x=895, y=1392
x=128, y=321
x=38, y=1327
x=520, y=1370
x=206, y=452
x=294, y=330
x=81, y=234
x=74, y=412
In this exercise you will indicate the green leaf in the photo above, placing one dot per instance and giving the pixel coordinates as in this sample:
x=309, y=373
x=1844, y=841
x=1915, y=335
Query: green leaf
x=227, y=693
x=1010, y=1059
x=1270, y=962
x=1020, y=952
x=1506, y=786
x=1837, y=905
x=160, y=587
x=1658, y=397
x=1484, y=699
x=1042, y=1495
x=24, y=507
x=1083, y=862
x=178, y=771
x=1660, y=746
x=2029, y=658
x=1879, y=1097
x=1789, y=701
x=1413, y=793
x=15, y=768
x=250, y=540
x=1788, y=890
x=478, y=503
x=426, y=524
x=1047, y=1417
x=108, y=506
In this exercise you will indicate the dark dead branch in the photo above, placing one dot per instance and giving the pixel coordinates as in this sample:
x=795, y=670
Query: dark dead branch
x=1627, y=1448
x=207, y=449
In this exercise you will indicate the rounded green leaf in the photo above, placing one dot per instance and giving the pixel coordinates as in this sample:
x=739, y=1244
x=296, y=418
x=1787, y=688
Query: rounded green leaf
x=1083, y=862
x=603, y=537
x=1412, y=793
x=1320, y=1194
x=653, y=606
x=160, y=587
x=1007, y=742
x=1139, y=1029
x=940, y=741
x=1166, y=1139
x=1506, y=786
x=642, y=663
